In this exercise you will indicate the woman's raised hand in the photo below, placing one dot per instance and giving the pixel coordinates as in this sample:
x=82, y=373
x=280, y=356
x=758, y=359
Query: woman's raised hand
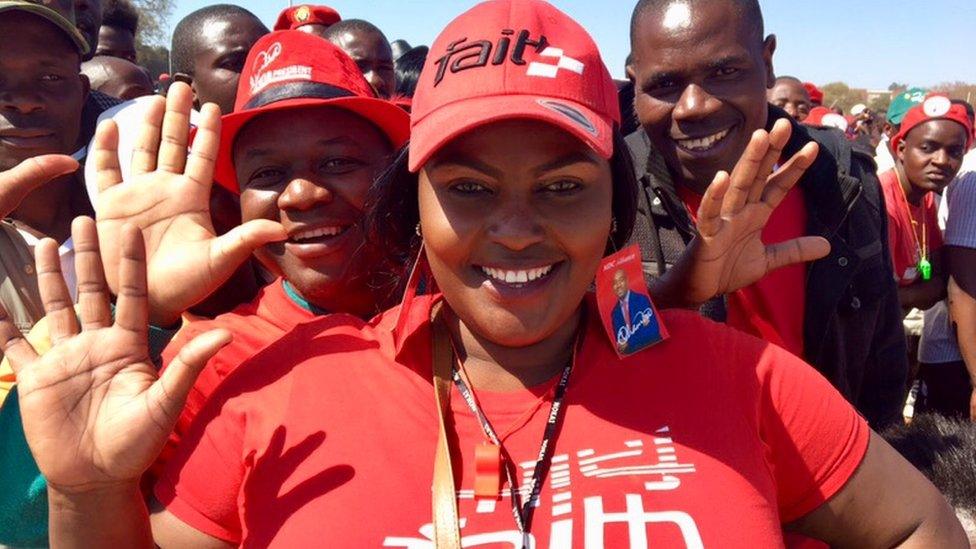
x=168, y=198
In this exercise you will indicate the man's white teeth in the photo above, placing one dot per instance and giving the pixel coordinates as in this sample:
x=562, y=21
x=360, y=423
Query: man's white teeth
x=316, y=233
x=703, y=143
x=516, y=277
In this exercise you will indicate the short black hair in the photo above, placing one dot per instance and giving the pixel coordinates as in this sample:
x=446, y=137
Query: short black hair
x=393, y=213
x=187, y=33
x=352, y=25
x=408, y=67
x=749, y=10
x=942, y=449
x=793, y=79
x=121, y=14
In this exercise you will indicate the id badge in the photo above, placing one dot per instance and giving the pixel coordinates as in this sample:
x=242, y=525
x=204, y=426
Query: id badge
x=629, y=317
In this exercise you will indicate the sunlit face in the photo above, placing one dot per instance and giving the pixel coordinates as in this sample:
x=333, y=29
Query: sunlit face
x=515, y=227
x=932, y=153
x=310, y=169
x=701, y=75
x=792, y=97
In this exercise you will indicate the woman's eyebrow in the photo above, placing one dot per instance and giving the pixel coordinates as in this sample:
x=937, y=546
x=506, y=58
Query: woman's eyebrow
x=575, y=157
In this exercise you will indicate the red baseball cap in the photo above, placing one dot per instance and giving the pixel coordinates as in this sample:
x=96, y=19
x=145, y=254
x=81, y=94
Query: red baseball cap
x=816, y=96
x=297, y=16
x=512, y=59
x=935, y=107
x=822, y=117
x=293, y=69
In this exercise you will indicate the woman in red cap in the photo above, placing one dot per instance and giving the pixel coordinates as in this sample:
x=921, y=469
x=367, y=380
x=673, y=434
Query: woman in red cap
x=536, y=433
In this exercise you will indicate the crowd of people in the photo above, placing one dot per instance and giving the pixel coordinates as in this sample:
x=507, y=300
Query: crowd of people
x=313, y=287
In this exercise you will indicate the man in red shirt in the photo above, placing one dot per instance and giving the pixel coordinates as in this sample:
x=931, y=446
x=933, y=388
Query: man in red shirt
x=702, y=71
x=929, y=149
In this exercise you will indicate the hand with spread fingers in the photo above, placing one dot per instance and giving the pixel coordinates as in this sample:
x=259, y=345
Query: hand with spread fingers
x=17, y=182
x=95, y=413
x=728, y=253
x=167, y=197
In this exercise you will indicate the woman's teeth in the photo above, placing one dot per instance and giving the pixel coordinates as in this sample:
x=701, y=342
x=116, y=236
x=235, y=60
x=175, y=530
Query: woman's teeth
x=703, y=143
x=316, y=233
x=516, y=277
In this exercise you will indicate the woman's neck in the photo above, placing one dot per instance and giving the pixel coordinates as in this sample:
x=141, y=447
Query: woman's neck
x=496, y=368
x=913, y=194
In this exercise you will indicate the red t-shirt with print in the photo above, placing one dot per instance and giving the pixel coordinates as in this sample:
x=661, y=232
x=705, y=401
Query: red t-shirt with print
x=327, y=437
x=909, y=228
x=255, y=325
x=773, y=308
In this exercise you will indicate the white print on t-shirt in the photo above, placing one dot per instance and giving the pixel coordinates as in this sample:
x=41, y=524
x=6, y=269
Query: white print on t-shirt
x=653, y=457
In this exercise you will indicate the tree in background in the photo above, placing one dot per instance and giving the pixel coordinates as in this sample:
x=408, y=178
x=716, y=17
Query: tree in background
x=957, y=90
x=839, y=94
x=153, y=38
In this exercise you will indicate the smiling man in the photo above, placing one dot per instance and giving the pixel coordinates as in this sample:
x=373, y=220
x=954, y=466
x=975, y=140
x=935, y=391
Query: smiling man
x=702, y=69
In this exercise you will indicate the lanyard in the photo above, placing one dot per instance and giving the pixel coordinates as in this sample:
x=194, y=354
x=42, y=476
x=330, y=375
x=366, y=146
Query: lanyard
x=522, y=512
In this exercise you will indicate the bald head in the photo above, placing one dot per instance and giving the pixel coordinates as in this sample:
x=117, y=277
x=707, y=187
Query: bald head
x=678, y=13
x=789, y=94
x=117, y=77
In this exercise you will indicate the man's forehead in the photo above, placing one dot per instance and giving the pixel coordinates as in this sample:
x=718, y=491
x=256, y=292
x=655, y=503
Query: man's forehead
x=703, y=28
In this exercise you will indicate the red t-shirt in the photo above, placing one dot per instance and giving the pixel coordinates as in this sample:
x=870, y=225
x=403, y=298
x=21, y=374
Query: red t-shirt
x=254, y=325
x=773, y=308
x=328, y=436
x=904, y=237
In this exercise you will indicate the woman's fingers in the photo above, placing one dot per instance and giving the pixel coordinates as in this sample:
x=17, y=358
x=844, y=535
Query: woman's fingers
x=710, y=211
x=744, y=174
x=781, y=182
x=798, y=250
x=206, y=142
x=132, y=308
x=13, y=345
x=778, y=137
x=105, y=155
x=93, y=292
x=59, y=308
x=175, y=130
x=170, y=390
x=145, y=150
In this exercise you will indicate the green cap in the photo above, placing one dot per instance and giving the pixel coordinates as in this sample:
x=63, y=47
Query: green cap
x=903, y=102
x=64, y=18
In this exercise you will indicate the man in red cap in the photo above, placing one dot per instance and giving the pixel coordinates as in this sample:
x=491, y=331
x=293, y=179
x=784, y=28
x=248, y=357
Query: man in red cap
x=929, y=149
x=307, y=18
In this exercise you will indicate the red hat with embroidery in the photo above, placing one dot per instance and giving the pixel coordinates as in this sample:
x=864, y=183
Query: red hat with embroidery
x=298, y=16
x=935, y=107
x=816, y=96
x=512, y=59
x=293, y=69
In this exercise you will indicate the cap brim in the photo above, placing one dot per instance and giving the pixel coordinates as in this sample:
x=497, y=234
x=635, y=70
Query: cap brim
x=393, y=121
x=454, y=119
x=50, y=15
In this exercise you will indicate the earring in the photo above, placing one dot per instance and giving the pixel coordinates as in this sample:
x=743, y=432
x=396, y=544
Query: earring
x=613, y=226
x=417, y=230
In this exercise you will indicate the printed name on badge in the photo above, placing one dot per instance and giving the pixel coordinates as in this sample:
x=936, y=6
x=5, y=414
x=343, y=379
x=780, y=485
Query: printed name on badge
x=628, y=314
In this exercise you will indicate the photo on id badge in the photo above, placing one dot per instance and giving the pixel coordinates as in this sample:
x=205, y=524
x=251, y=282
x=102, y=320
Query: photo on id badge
x=626, y=309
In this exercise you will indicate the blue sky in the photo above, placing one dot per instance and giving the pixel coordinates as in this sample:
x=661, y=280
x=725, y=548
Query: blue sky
x=866, y=43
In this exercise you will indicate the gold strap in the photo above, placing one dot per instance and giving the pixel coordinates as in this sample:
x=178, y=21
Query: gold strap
x=447, y=533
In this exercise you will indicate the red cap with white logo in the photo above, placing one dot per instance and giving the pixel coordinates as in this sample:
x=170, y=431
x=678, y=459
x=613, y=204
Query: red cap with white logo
x=292, y=69
x=512, y=59
x=935, y=107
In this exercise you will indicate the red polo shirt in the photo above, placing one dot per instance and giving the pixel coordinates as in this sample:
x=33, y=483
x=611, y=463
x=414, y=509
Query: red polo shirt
x=773, y=308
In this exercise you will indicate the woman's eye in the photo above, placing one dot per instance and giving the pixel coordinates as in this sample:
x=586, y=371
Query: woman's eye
x=469, y=187
x=564, y=186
